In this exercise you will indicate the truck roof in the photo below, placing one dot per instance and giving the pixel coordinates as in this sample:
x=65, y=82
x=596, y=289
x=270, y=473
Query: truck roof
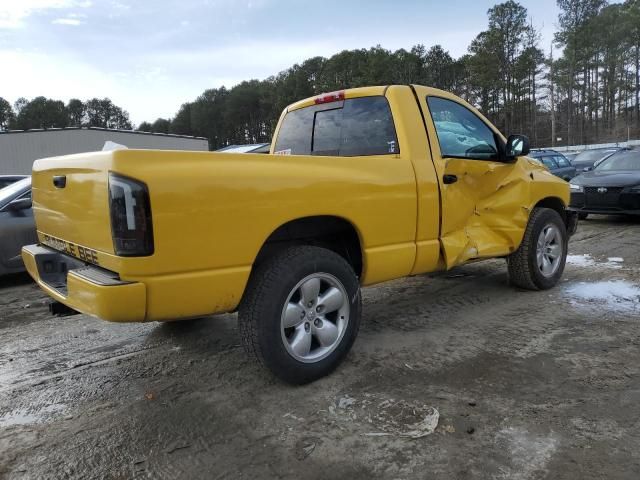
x=348, y=93
x=355, y=93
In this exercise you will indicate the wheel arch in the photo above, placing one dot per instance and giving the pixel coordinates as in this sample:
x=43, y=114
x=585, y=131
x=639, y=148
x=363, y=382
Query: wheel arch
x=554, y=203
x=329, y=231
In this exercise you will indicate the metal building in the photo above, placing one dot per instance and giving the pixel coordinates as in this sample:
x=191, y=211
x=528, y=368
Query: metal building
x=19, y=149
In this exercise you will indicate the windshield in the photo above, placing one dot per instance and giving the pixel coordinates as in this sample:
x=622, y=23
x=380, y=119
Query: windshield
x=624, y=160
x=8, y=192
x=591, y=156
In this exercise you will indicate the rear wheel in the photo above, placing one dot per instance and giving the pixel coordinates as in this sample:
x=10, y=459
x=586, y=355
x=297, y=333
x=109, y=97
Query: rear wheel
x=301, y=313
x=539, y=262
x=582, y=216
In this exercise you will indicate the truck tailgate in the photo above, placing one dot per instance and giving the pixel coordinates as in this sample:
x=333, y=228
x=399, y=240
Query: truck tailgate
x=70, y=199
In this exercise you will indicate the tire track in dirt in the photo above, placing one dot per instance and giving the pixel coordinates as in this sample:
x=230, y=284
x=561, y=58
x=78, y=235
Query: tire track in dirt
x=539, y=372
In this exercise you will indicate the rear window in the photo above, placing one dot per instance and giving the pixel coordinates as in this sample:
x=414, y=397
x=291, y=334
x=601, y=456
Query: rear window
x=327, y=130
x=561, y=161
x=549, y=162
x=357, y=126
x=294, y=137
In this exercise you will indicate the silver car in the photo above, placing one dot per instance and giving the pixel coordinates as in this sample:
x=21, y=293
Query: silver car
x=17, y=227
x=6, y=180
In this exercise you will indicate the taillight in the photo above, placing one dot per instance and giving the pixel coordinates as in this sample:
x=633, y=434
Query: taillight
x=131, y=226
x=330, y=97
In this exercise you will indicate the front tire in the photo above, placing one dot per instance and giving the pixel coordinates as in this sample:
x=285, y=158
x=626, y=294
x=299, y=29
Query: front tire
x=539, y=262
x=301, y=313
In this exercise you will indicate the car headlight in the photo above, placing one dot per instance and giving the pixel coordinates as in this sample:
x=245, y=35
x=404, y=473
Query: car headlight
x=576, y=188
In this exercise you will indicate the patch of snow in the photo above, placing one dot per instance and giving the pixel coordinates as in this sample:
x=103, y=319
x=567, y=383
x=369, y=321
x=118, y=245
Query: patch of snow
x=581, y=260
x=617, y=295
x=586, y=260
x=346, y=402
x=529, y=453
x=28, y=417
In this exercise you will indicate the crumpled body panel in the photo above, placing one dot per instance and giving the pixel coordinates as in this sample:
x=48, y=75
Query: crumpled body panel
x=486, y=211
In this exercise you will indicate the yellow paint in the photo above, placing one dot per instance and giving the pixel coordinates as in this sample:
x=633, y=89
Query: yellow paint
x=212, y=213
x=121, y=303
x=484, y=214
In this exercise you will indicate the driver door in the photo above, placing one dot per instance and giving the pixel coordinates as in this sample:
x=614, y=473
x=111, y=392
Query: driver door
x=482, y=196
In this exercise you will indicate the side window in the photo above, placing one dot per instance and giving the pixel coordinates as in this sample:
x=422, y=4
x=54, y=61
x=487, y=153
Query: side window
x=461, y=133
x=561, y=161
x=549, y=162
x=355, y=127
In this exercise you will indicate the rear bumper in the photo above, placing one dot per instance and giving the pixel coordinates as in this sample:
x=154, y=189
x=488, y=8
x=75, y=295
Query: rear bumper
x=83, y=287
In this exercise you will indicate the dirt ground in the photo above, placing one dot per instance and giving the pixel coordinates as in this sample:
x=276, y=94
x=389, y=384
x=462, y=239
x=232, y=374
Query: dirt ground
x=528, y=385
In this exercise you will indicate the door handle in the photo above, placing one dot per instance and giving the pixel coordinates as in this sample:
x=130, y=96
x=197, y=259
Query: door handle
x=60, y=181
x=448, y=179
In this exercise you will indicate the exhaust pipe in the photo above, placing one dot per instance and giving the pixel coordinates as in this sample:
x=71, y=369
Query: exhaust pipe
x=61, y=310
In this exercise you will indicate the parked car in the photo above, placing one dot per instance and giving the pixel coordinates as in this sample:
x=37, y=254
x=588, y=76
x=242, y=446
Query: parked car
x=570, y=156
x=556, y=162
x=6, y=180
x=362, y=186
x=612, y=187
x=588, y=159
x=17, y=227
x=248, y=148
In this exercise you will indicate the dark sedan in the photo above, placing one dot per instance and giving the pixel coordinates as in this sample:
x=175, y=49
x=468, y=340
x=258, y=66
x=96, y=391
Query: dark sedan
x=17, y=227
x=555, y=162
x=612, y=187
x=588, y=159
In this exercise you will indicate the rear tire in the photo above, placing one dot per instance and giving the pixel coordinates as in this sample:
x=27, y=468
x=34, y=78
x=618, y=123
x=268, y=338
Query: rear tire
x=301, y=313
x=582, y=216
x=539, y=262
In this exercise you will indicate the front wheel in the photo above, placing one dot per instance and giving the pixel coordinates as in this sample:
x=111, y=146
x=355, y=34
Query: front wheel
x=301, y=313
x=539, y=262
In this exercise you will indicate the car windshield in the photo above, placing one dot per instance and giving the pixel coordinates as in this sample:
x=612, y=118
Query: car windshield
x=624, y=160
x=9, y=191
x=591, y=156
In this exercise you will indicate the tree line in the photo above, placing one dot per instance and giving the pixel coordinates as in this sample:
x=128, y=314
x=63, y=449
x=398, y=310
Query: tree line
x=43, y=113
x=584, y=88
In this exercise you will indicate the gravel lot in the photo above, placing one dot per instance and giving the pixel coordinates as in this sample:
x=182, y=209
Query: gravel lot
x=527, y=384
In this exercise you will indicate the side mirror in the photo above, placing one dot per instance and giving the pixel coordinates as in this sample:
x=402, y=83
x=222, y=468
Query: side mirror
x=18, y=205
x=587, y=169
x=517, y=145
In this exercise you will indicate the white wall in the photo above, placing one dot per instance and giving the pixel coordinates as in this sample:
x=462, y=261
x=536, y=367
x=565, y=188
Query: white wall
x=580, y=148
x=18, y=150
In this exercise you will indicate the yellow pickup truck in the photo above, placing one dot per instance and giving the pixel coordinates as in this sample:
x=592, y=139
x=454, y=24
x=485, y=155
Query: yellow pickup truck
x=361, y=186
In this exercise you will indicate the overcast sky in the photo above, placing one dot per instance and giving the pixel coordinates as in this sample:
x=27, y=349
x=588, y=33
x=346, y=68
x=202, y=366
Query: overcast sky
x=150, y=56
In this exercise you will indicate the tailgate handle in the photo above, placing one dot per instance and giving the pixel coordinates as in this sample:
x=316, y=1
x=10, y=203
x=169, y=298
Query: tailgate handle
x=60, y=181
